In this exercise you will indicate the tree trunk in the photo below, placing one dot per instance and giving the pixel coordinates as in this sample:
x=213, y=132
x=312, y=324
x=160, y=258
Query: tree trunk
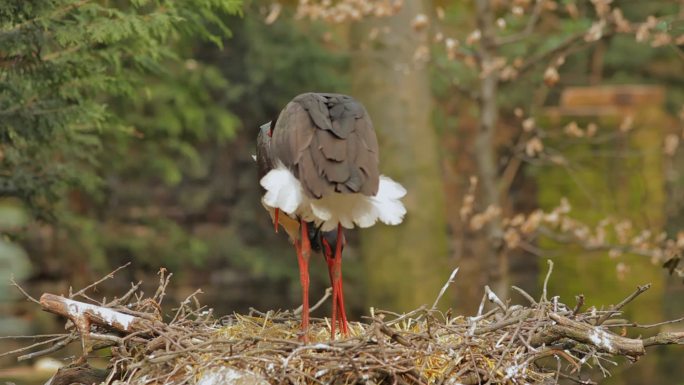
x=495, y=261
x=405, y=265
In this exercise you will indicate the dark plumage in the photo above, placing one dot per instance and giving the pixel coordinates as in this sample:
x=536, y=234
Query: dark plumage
x=327, y=142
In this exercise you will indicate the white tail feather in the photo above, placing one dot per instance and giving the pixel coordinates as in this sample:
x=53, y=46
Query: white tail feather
x=390, y=209
x=285, y=192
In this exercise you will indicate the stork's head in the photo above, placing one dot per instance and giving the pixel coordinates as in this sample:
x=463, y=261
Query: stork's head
x=267, y=129
x=264, y=137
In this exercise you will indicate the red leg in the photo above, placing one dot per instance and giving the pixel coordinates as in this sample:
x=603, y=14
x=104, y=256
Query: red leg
x=275, y=219
x=334, y=263
x=329, y=259
x=303, y=247
x=335, y=301
x=337, y=275
x=340, y=300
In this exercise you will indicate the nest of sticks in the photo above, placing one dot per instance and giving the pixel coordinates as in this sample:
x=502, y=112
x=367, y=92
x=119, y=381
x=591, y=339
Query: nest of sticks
x=541, y=341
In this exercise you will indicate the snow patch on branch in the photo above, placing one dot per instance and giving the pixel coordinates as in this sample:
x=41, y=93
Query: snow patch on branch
x=110, y=316
x=601, y=339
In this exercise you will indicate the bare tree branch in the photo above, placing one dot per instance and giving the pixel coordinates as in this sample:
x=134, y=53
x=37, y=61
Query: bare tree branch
x=529, y=27
x=616, y=308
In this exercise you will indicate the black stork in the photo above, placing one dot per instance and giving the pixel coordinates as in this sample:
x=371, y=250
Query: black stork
x=318, y=164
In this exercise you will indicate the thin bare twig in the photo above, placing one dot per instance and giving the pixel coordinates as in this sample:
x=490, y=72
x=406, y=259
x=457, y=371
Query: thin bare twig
x=56, y=347
x=546, y=280
x=529, y=27
x=31, y=337
x=41, y=343
x=616, y=308
x=452, y=279
x=99, y=281
x=492, y=297
x=647, y=326
x=15, y=284
x=579, y=304
x=326, y=295
x=124, y=298
x=525, y=294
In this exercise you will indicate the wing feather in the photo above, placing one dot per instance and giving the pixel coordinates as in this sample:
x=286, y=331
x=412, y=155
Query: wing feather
x=292, y=135
x=367, y=154
x=333, y=147
x=314, y=185
x=328, y=142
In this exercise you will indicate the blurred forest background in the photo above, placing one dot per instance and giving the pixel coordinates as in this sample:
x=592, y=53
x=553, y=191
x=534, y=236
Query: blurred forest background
x=522, y=129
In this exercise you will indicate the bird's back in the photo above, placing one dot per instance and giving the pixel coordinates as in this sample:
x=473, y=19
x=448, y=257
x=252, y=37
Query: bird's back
x=327, y=141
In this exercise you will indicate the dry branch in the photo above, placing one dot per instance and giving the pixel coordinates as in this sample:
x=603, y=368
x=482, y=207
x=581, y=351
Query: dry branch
x=585, y=333
x=83, y=314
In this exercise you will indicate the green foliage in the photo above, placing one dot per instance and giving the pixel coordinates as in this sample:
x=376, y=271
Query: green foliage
x=174, y=111
x=61, y=63
x=92, y=91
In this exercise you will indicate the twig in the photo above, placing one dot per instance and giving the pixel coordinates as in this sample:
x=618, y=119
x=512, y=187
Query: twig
x=562, y=48
x=529, y=27
x=99, y=281
x=556, y=352
x=326, y=295
x=51, y=340
x=665, y=339
x=647, y=326
x=15, y=284
x=57, y=346
x=578, y=380
x=31, y=337
x=579, y=304
x=408, y=315
x=546, y=280
x=181, y=308
x=124, y=298
x=507, y=322
x=448, y=283
x=616, y=308
x=164, y=280
x=393, y=335
x=492, y=297
x=525, y=294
